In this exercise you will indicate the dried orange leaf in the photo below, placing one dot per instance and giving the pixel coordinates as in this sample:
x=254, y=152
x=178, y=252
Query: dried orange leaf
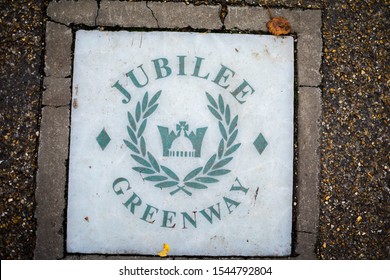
x=279, y=26
x=164, y=251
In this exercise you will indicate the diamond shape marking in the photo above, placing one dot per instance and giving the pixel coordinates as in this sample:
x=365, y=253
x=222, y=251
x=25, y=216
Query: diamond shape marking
x=260, y=143
x=103, y=139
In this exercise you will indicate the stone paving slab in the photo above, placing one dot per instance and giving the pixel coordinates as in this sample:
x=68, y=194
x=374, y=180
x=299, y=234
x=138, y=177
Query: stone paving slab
x=53, y=149
x=264, y=136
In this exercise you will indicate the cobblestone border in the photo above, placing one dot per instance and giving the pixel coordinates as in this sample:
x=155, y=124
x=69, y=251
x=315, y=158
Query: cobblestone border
x=64, y=15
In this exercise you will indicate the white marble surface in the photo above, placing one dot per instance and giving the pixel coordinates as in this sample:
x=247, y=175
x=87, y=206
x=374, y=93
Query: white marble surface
x=112, y=208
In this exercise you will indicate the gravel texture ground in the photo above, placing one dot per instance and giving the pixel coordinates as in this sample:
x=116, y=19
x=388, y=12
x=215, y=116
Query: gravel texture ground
x=21, y=38
x=354, y=191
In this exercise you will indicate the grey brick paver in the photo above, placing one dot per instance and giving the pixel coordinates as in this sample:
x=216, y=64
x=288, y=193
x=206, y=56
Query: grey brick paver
x=155, y=14
x=76, y=12
x=58, y=50
x=180, y=15
x=309, y=113
x=306, y=246
x=125, y=14
x=310, y=48
x=256, y=18
x=51, y=180
x=56, y=91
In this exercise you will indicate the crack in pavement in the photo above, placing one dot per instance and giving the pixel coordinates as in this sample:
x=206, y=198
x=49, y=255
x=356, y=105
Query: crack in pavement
x=154, y=16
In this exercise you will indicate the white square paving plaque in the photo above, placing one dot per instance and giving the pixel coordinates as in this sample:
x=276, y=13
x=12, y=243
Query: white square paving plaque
x=184, y=139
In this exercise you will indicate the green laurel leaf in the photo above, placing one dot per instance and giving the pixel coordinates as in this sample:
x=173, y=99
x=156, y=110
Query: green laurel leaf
x=222, y=163
x=233, y=124
x=214, y=112
x=131, y=121
x=132, y=135
x=167, y=184
x=141, y=128
x=155, y=178
x=206, y=180
x=221, y=104
x=192, y=174
x=170, y=173
x=145, y=102
x=209, y=164
x=138, y=111
x=232, y=149
x=195, y=185
x=227, y=114
x=232, y=138
x=150, y=111
x=131, y=146
x=140, y=160
x=219, y=172
x=154, y=98
x=143, y=146
x=221, y=148
x=222, y=130
x=144, y=170
x=181, y=188
x=154, y=162
x=211, y=100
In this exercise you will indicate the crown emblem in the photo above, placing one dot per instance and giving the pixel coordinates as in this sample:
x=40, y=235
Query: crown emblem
x=182, y=143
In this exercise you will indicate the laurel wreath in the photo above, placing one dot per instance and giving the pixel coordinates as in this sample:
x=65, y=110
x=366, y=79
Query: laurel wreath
x=162, y=176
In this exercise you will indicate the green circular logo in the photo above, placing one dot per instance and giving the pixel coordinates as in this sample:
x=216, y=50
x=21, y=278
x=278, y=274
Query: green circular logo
x=164, y=177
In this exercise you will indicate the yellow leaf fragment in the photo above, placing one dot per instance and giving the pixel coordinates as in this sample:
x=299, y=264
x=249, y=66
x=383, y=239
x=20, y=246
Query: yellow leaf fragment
x=279, y=26
x=164, y=251
x=358, y=219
